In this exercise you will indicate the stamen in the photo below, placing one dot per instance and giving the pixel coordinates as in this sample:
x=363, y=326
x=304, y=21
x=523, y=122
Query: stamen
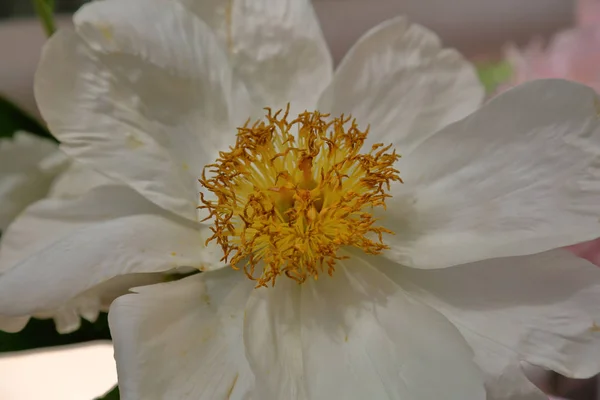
x=291, y=194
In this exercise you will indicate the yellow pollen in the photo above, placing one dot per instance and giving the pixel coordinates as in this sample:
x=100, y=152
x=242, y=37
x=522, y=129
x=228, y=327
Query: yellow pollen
x=291, y=193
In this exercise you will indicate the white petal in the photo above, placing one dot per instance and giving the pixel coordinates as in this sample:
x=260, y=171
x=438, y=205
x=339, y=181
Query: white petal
x=23, y=179
x=216, y=14
x=145, y=95
x=505, y=378
x=94, y=254
x=355, y=335
x=77, y=180
x=272, y=328
x=78, y=198
x=519, y=176
x=399, y=80
x=49, y=220
x=67, y=318
x=24, y=151
x=12, y=324
x=183, y=340
x=542, y=309
x=89, y=304
x=276, y=47
x=75, y=200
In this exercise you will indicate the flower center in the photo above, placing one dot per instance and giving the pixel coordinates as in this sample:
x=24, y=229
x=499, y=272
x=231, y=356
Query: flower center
x=291, y=193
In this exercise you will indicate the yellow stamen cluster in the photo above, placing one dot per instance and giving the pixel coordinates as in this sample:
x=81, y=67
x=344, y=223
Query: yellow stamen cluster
x=290, y=194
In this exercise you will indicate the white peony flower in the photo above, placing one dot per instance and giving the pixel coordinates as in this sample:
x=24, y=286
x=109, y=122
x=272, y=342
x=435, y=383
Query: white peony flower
x=151, y=92
x=77, y=198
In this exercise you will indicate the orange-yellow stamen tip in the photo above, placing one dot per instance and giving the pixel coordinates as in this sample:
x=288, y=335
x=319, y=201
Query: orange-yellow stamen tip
x=290, y=194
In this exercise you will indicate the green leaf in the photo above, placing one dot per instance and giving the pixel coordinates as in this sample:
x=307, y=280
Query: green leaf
x=113, y=394
x=493, y=74
x=42, y=333
x=45, y=11
x=13, y=119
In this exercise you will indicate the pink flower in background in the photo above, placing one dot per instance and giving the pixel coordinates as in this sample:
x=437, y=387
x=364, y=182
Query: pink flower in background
x=588, y=13
x=573, y=54
x=588, y=250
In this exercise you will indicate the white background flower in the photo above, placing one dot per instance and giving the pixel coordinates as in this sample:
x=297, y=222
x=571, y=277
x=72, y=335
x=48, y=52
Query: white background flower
x=149, y=95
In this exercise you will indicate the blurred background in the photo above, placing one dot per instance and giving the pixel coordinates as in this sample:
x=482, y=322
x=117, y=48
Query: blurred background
x=478, y=28
x=481, y=29
x=20, y=8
